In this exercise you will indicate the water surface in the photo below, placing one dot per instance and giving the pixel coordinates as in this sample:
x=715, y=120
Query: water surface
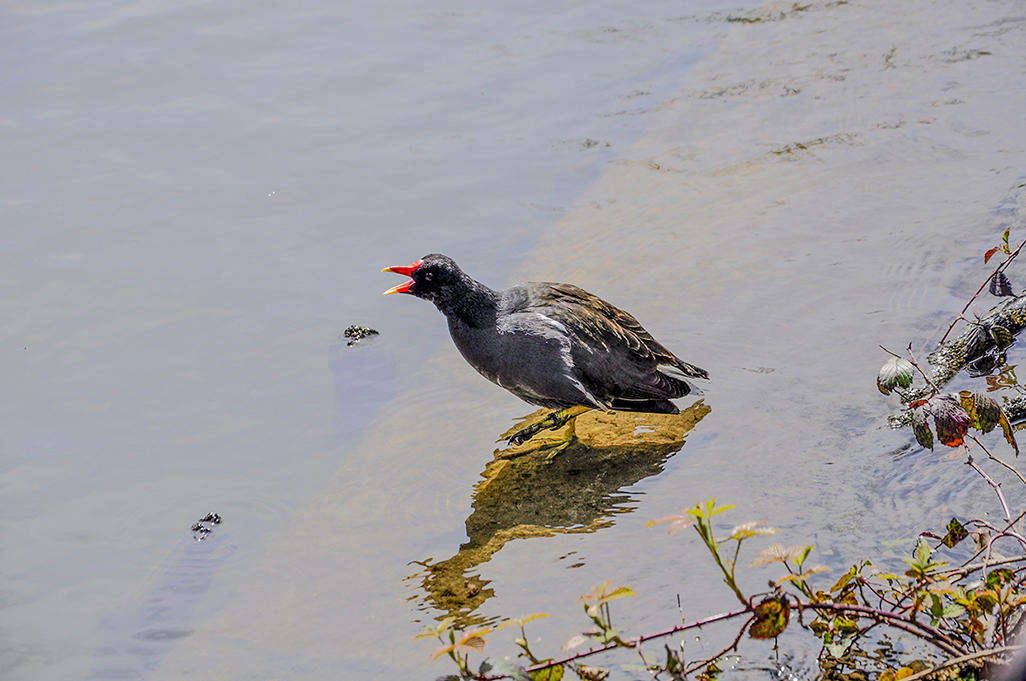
x=198, y=199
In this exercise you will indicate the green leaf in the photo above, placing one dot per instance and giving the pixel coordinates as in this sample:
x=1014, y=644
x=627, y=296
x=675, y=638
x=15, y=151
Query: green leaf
x=921, y=427
x=1002, y=336
x=922, y=554
x=999, y=577
x=952, y=610
x=985, y=599
x=1004, y=237
x=838, y=644
x=549, y=673
x=988, y=412
x=956, y=533
x=508, y=669
x=1006, y=428
x=843, y=581
x=519, y=622
x=710, y=673
x=845, y=625
x=894, y=373
x=674, y=665
x=771, y=616
x=712, y=510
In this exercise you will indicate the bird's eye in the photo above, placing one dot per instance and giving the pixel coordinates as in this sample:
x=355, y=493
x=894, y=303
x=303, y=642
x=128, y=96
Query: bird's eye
x=429, y=276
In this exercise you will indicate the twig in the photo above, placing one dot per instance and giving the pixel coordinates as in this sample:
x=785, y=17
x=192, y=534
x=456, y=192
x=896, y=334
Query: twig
x=640, y=639
x=998, y=534
x=975, y=555
x=897, y=621
x=644, y=661
x=990, y=481
x=732, y=646
x=959, y=660
x=1006, y=465
x=976, y=295
x=965, y=570
x=929, y=380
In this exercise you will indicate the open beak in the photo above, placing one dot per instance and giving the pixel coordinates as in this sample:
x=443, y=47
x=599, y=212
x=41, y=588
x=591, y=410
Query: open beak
x=406, y=272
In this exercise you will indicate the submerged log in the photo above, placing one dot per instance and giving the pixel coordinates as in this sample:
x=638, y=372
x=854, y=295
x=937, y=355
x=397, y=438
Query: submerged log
x=979, y=349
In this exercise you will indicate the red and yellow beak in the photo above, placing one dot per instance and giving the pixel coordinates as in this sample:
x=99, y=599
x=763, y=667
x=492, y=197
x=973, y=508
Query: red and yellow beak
x=406, y=272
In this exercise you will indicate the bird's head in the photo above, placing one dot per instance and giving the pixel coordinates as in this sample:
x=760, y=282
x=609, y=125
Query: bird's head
x=434, y=277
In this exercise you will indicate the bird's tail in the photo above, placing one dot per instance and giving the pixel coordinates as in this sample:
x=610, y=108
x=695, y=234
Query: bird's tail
x=683, y=370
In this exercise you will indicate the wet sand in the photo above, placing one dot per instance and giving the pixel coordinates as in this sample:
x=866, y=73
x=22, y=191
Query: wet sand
x=822, y=183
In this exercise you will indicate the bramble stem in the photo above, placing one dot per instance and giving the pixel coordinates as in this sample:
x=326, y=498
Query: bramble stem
x=732, y=646
x=640, y=639
x=990, y=481
x=976, y=295
x=908, y=624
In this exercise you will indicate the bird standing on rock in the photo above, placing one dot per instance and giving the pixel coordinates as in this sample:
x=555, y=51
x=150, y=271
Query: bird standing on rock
x=552, y=345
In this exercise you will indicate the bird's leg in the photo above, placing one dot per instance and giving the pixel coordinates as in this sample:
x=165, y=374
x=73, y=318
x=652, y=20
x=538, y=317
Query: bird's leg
x=553, y=421
x=569, y=436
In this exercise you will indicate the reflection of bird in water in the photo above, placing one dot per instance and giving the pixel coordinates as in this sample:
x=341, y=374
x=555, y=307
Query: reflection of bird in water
x=552, y=345
x=529, y=497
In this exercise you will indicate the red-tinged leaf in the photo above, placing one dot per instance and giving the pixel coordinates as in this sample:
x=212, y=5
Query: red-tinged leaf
x=989, y=254
x=950, y=419
x=472, y=641
x=1000, y=286
x=776, y=553
x=917, y=403
x=921, y=427
x=677, y=522
x=988, y=412
x=752, y=528
x=1006, y=428
x=771, y=617
x=438, y=652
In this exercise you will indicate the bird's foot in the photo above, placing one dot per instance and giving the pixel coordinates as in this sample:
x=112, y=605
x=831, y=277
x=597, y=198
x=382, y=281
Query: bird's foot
x=567, y=439
x=525, y=434
x=553, y=421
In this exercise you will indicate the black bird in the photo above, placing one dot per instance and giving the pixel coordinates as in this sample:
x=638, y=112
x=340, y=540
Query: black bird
x=552, y=345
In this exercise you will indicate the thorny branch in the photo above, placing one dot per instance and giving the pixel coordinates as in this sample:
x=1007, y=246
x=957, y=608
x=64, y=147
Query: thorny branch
x=639, y=639
x=999, y=268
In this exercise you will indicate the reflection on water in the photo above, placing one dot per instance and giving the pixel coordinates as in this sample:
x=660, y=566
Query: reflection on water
x=134, y=639
x=580, y=490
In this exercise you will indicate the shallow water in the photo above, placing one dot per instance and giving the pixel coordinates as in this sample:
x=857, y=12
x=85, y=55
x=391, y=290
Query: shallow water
x=198, y=199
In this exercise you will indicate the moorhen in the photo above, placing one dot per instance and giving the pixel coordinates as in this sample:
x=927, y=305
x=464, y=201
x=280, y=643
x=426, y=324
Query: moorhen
x=552, y=345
